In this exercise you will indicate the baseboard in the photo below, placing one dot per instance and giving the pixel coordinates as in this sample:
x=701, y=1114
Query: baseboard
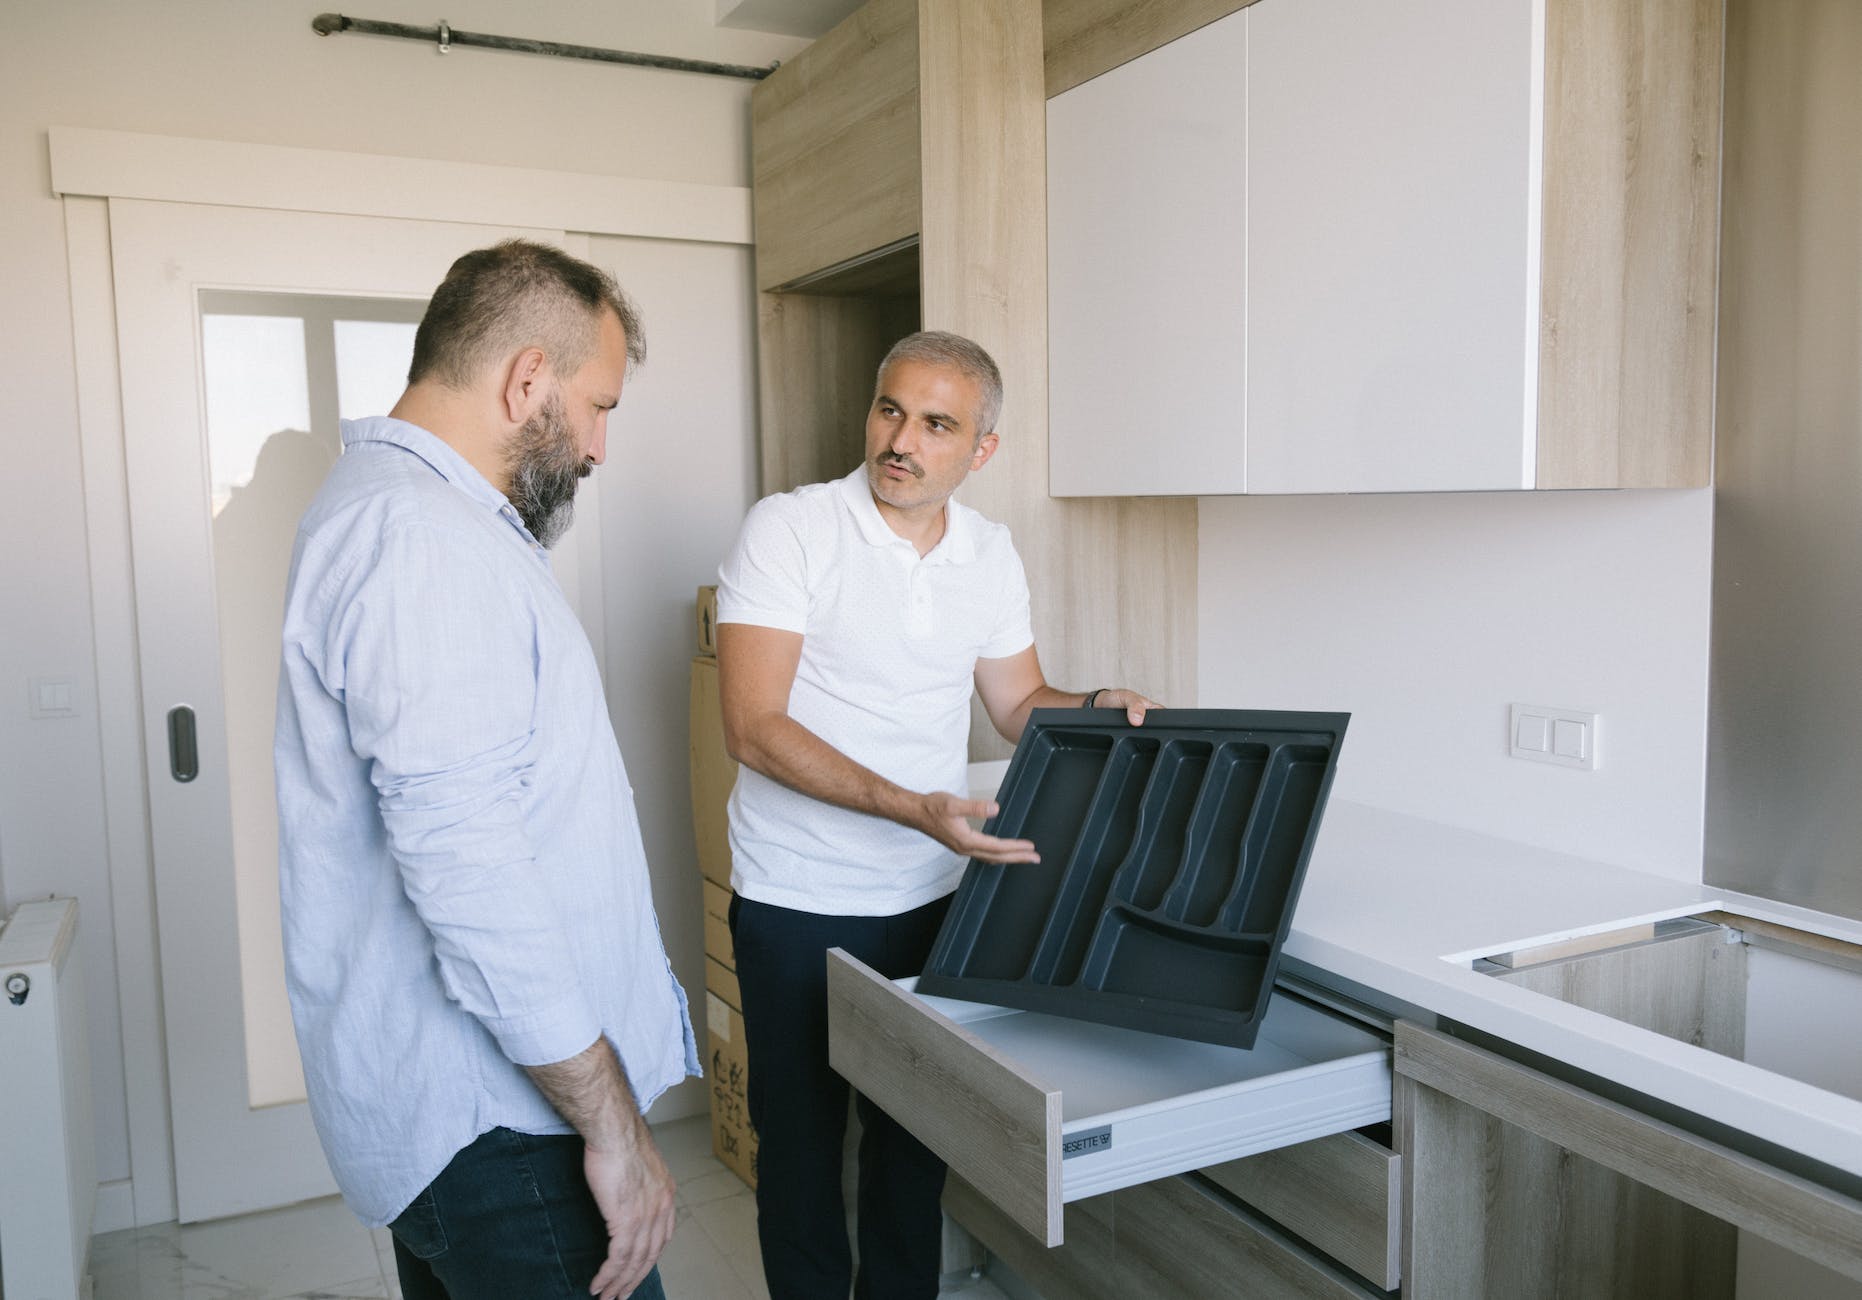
x=115, y=1208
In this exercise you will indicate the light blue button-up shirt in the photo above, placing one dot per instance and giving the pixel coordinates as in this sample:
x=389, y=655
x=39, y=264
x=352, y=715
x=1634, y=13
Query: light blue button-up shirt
x=465, y=890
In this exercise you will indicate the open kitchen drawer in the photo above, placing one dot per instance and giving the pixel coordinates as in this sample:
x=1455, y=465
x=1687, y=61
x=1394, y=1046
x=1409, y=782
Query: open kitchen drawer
x=1035, y=1110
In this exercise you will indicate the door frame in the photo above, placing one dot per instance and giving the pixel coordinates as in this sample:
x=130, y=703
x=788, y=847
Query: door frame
x=89, y=167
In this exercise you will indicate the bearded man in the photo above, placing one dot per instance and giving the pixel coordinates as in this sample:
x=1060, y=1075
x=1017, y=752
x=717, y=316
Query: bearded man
x=482, y=1001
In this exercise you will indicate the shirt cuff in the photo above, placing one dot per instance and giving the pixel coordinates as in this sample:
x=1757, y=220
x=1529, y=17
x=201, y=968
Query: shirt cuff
x=548, y=1036
x=780, y=619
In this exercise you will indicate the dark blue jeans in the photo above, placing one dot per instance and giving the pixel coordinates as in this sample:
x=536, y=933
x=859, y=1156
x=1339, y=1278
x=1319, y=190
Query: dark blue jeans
x=511, y=1218
x=798, y=1106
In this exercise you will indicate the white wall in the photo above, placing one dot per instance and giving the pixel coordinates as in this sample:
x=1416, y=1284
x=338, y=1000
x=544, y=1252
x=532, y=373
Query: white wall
x=1424, y=616
x=680, y=475
x=235, y=70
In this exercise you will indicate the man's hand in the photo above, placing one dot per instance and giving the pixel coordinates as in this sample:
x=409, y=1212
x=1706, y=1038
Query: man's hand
x=945, y=818
x=635, y=1194
x=625, y=1174
x=1134, y=704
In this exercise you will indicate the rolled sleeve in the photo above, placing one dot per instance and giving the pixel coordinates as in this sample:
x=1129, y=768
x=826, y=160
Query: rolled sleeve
x=764, y=580
x=439, y=674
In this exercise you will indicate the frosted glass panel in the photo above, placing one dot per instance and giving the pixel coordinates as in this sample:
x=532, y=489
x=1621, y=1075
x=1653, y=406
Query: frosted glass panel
x=256, y=385
x=371, y=365
x=279, y=370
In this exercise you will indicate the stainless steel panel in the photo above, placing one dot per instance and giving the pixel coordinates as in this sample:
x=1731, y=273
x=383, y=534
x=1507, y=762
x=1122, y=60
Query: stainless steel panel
x=1784, y=789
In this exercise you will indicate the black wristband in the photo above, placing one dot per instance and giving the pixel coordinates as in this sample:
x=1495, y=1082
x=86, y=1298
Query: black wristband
x=1087, y=703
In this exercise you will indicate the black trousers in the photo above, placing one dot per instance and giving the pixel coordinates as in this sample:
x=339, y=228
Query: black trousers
x=798, y=1106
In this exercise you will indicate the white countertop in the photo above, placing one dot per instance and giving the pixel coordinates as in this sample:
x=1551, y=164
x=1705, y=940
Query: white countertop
x=1402, y=906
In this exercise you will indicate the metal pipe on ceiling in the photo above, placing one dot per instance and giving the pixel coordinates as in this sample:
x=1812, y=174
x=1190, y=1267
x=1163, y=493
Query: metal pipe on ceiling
x=445, y=36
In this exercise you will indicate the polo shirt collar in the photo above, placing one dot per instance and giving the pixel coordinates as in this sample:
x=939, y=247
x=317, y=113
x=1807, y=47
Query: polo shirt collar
x=957, y=546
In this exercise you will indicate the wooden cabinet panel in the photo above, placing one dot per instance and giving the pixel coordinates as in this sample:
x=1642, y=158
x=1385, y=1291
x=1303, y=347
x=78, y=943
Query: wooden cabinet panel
x=1341, y=1194
x=1084, y=38
x=1496, y=1153
x=1631, y=234
x=835, y=169
x=1113, y=582
x=1174, y=1237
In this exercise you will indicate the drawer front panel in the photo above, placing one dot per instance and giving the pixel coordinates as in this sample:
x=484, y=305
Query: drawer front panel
x=1168, y=1238
x=1341, y=1193
x=989, y=1122
x=1176, y=1237
x=987, y=1088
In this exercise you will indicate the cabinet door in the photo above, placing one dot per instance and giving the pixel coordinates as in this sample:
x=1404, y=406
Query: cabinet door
x=1392, y=268
x=1147, y=225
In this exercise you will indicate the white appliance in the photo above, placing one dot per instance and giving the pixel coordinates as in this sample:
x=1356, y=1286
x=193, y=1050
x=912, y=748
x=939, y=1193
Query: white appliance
x=48, y=1174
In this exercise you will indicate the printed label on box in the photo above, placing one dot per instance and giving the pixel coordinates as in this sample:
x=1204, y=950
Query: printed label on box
x=1085, y=1144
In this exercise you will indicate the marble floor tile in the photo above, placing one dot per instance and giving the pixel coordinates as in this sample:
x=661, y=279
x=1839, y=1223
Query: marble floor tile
x=712, y=1186
x=730, y=1224
x=693, y=1268
x=685, y=1146
x=318, y=1251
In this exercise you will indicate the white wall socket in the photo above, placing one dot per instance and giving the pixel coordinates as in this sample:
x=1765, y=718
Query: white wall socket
x=1544, y=735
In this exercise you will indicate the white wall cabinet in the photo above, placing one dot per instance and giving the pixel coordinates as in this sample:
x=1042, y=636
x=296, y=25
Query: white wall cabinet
x=1329, y=246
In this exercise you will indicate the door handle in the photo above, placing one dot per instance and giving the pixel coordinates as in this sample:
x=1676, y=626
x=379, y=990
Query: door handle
x=183, y=753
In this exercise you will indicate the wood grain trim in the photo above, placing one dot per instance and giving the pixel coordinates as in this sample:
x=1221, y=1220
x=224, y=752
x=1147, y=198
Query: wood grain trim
x=1085, y=1268
x=1343, y=1194
x=818, y=357
x=1176, y=1237
x=1113, y=580
x=995, y=1127
x=1794, y=1212
x=1083, y=38
x=834, y=146
x=1630, y=242
x=1689, y=987
x=1799, y=943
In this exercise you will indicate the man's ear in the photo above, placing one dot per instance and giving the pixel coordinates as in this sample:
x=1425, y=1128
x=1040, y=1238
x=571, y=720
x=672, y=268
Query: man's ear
x=526, y=385
x=985, y=448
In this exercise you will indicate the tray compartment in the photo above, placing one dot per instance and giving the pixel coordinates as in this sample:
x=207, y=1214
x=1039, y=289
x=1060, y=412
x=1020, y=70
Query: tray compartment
x=1216, y=832
x=1171, y=860
x=1140, y=955
x=1103, y=846
x=1157, y=856
x=1260, y=898
x=1046, y=803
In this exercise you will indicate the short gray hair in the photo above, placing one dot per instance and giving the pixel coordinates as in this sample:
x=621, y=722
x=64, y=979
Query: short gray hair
x=940, y=348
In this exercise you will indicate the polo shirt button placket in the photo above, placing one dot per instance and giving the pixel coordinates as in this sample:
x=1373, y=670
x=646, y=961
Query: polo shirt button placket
x=921, y=601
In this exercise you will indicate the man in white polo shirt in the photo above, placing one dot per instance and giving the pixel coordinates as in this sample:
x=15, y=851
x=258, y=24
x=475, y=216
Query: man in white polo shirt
x=854, y=618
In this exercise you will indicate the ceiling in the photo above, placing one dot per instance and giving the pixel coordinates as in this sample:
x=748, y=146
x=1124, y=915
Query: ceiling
x=808, y=18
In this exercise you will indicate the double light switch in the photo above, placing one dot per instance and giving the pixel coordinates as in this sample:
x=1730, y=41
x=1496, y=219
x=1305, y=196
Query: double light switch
x=1563, y=736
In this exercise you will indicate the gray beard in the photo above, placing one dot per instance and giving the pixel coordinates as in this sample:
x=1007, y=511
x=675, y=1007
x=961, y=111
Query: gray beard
x=546, y=469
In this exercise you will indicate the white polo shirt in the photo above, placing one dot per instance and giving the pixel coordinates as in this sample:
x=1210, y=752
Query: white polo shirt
x=889, y=649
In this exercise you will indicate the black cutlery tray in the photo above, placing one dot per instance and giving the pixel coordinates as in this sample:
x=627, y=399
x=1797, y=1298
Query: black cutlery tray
x=1171, y=858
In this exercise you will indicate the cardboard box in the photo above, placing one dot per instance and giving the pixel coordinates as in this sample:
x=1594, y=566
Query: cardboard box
x=726, y=1065
x=722, y=980
x=708, y=621
x=717, y=902
x=714, y=772
x=717, y=932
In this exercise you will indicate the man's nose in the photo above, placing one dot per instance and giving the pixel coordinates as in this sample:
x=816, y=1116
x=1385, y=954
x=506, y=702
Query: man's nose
x=905, y=439
x=598, y=447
